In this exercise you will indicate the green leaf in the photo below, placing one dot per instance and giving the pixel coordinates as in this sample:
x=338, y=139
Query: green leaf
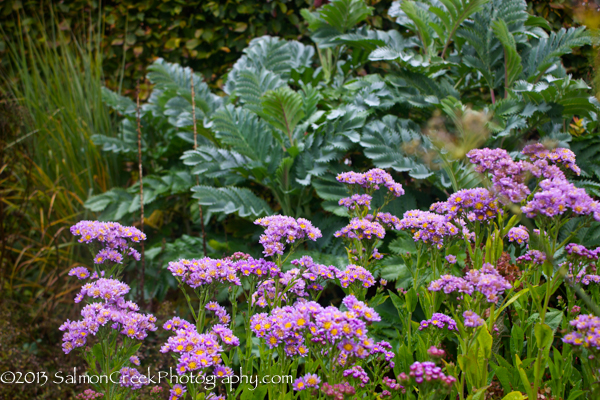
x=543, y=336
x=512, y=60
x=230, y=200
x=283, y=109
x=514, y=396
x=343, y=15
x=244, y=132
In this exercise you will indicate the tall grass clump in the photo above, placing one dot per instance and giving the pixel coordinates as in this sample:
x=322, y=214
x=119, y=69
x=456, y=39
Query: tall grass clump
x=49, y=163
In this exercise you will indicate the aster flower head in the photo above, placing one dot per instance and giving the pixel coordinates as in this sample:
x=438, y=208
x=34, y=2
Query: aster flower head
x=80, y=273
x=587, y=333
x=131, y=378
x=205, y=271
x=439, y=321
x=472, y=320
x=428, y=227
x=281, y=230
x=557, y=197
x=355, y=273
x=362, y=229
x=115, y=238
x=507, y=176
x=518, y=235
x=356, y=201
x=472, y=204
x=532, y=256
x=559, y=155
x=486, y=281
x=451, y=259
x=372, y=180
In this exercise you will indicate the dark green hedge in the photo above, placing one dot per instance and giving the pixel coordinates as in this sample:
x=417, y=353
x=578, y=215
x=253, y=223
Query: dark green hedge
x=206, y=35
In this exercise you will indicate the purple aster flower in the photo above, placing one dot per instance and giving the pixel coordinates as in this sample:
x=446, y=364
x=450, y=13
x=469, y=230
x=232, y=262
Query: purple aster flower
x=361, y=229
x=80, y=272
x=356, y=200
x=532, y=256
x=472, y=320
x=518, y=234
x=451, y=259
x=372, y=179
x=281, y=229
x=439, y=321
x=299, y=384
x=355, y=273
x=558, y=155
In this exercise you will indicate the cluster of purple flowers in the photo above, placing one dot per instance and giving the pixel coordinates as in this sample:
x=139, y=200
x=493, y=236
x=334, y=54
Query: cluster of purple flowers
x=355, y=273
x=426, y=372
x=260, y=268
x=440, y=321
x=372, y=179
x=474, y=204
x=428, y=227
x=282, y=288
x=198, y=351
x=486, y=281
x=357, y=372
x=356, y=200
x=388, y=220
x=587, y=332
x=532, y=256
x=80, y=273
x=316, y=274
x=219, y=311
x=338, y=391
x=280, y=229
x=114, y=311
x=508, y=177
x=131, y=378
x=204, y=271
x=518, y=234
x=113, y=236
x=290, y=327
x=557, y=196
x=577, y=250
x=362, y=228
x=105, y=289
x=559, y=155
x=472, y=320
x=308, y=381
